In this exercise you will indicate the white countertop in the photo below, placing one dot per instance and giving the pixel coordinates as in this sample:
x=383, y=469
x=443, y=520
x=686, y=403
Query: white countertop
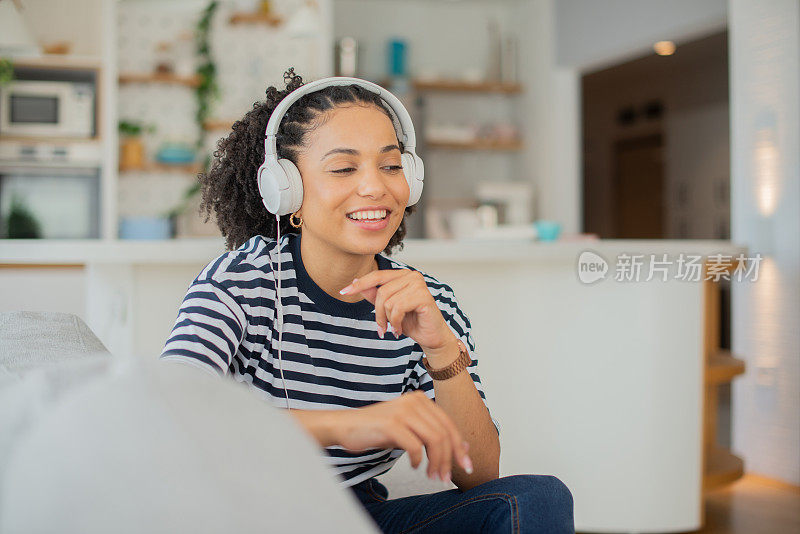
x=194, y=251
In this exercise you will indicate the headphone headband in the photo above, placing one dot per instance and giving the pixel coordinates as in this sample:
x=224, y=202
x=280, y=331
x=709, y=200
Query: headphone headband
x=406, y=132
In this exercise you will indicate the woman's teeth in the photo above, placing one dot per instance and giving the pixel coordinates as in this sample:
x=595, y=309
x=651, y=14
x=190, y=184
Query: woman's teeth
x=368, y=215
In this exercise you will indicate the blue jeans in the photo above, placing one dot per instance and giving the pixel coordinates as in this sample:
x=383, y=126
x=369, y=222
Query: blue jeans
x=516, y=503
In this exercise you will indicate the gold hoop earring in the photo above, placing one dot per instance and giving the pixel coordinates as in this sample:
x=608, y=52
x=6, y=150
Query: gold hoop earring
x=291, y=221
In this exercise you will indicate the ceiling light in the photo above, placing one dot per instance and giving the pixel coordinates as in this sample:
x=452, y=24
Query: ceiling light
x=664, y=48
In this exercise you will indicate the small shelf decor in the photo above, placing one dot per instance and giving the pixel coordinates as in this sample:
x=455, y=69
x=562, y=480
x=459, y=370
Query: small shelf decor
x=466, y=87
x=255, y=17
x=159, y=77
x=478, y=144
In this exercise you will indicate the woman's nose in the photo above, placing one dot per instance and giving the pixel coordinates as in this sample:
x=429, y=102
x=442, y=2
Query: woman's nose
x=372, y=184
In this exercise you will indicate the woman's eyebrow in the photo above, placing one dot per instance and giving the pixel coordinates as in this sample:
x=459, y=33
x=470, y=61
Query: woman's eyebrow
x=354, y=152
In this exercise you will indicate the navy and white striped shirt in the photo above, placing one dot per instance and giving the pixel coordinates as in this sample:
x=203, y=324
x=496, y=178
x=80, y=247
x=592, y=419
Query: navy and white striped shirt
x=332, y=356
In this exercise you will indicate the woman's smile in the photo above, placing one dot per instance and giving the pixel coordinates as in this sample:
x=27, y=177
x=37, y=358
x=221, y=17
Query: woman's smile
x=371, y=217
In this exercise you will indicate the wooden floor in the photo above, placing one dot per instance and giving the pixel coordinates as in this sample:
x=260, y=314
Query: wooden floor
x=753, y=505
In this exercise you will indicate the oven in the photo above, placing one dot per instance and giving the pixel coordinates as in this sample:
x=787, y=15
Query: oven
x=50, y=191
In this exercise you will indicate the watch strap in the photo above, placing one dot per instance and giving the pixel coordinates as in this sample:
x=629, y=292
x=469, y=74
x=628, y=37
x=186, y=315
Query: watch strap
x=454, y=368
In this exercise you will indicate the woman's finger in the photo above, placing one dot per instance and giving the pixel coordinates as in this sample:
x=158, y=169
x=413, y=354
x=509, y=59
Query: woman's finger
x=400, y=306
x=436, y=441
x=373, y=279
x=408, y=441
x=385, y=292
x=426, y=414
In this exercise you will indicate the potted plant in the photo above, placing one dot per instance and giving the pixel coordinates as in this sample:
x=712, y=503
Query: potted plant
x=131, y=150
x=6, y=71
x=21, y=223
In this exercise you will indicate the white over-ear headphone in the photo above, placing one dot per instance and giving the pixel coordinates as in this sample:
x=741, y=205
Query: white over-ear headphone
x=279, y=180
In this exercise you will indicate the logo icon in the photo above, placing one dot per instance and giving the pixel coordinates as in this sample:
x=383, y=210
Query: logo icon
x=591, y=267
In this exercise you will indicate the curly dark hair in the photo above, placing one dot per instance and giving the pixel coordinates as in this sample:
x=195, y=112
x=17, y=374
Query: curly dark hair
x=229, y=188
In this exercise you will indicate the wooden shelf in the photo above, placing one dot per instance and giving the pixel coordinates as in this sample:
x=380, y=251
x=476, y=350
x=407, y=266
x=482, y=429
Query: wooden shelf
x=49, y=140
x=479, y=144
x=218, y=124
x=61, y=61
x=159, y=77
x=255, y=17
x=722, y=467
x=723, y=367
x=466, y=87
x=158, y=167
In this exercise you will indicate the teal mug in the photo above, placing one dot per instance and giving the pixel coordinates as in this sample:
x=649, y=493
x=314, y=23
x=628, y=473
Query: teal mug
x=547, y=230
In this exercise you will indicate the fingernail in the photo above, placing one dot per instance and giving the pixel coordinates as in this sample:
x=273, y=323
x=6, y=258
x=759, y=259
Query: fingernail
x=389, y=328
x=446, y=477
x=381, y=331
x=467, y=464
x=348, y=288
x=466, y=445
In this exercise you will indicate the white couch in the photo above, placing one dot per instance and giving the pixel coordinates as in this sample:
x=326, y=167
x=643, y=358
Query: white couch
x=95, y=443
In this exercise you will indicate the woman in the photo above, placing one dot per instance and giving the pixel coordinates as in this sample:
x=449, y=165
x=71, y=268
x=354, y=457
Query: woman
x=356, y=323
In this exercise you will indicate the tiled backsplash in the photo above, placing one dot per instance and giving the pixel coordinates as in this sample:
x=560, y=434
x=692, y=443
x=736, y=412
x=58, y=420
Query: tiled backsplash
x=249, y=58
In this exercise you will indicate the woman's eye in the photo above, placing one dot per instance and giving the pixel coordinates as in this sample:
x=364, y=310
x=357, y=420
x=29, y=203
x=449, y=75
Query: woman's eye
x=391, y=168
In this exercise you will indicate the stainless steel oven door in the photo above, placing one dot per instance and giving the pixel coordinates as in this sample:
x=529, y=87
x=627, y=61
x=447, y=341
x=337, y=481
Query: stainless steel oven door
x=63, y=200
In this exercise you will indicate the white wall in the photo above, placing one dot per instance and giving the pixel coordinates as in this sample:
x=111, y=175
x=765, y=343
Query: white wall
x=551, y=108
x=79, y=22
x=592, y=34
x=697, y=155
x=445, y=37
x=765, y=137
x=44, y=289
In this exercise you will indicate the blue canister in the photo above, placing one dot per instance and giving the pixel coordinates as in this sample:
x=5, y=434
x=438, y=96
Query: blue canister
x=145, y=228
x=547, y=230
x=397, y=58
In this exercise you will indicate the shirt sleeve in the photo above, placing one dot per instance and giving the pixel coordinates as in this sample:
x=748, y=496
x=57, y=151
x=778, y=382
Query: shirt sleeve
x=459, y=323
x=208, y=330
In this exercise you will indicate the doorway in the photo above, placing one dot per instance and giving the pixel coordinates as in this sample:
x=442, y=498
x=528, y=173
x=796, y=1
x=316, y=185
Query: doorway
x=656, y=156
x=639, y=188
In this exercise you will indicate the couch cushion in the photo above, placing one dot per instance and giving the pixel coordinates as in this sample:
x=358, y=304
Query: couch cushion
x=30, y=339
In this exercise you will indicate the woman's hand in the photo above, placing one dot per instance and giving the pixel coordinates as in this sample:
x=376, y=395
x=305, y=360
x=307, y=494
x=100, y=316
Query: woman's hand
x=402, y=298
x=408, y=422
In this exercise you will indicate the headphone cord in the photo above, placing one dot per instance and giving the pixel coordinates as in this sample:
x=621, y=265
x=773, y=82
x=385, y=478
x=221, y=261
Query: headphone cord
x=280, y=308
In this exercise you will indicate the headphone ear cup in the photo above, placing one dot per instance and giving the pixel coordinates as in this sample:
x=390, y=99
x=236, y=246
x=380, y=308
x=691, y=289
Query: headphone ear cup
x=414, y=171
x=292, y=197
x=280, y=186
x=271, y=181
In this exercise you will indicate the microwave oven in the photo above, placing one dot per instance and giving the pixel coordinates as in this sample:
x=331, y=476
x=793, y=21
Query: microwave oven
x=42, y=108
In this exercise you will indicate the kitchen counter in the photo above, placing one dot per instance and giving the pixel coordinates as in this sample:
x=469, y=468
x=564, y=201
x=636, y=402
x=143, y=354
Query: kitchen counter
x=599, y=383
x=194, y=251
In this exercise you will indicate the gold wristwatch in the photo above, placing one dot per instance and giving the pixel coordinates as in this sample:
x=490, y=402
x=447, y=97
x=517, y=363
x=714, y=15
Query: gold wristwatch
x=455, y=367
